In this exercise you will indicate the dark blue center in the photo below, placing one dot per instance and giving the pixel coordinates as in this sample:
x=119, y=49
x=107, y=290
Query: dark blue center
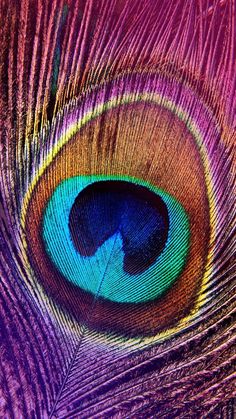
x=105, y=208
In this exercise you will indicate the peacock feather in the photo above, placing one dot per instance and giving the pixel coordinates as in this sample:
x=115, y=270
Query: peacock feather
x=117, y=208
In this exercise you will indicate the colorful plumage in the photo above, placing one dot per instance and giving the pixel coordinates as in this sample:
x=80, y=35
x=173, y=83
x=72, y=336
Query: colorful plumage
x=117, y=208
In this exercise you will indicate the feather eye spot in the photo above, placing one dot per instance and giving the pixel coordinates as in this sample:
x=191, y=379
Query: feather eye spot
x=129, y=256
